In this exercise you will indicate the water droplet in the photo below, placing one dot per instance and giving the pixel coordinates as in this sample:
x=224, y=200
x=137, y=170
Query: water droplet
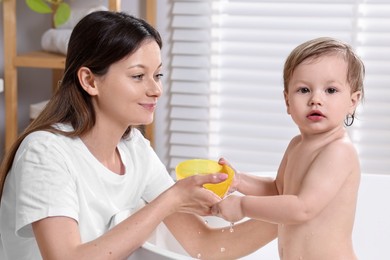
x=205, y=221
x=199, y=256
x=222, y=249
x=231, y=227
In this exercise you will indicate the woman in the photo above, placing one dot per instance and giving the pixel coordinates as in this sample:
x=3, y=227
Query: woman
x=74, y=178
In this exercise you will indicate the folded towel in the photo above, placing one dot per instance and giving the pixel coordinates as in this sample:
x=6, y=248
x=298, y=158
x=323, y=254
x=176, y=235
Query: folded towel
x=36, y=109
x=56, y=40
x=77, y=14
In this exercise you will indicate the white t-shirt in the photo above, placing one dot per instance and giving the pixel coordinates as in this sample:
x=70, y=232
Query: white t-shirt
x=54, y=175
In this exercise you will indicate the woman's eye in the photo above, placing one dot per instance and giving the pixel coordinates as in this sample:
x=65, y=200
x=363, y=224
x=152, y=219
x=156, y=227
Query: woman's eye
x=331, y=90
x=138, y=77
x=159, y=76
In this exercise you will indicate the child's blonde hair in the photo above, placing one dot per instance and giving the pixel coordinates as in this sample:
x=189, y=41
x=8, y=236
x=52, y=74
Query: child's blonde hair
x=324, y=46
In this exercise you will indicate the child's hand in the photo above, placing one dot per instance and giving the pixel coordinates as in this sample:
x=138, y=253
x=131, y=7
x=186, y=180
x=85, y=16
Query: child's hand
x=236, y=179
x=229, y=209
x=235, y=183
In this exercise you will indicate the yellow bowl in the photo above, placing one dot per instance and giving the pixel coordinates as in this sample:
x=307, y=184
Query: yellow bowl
x=203, y=166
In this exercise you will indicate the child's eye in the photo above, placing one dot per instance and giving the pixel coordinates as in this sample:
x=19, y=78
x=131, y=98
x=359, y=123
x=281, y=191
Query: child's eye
x=331, y=90
x=159, y=76
x=303, y=90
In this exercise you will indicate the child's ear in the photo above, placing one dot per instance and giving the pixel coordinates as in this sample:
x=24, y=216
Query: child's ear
x=355, y=100
x=87, y=81
x=285, y=94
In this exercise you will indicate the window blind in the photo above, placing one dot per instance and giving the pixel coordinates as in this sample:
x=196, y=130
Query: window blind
x=226, y=95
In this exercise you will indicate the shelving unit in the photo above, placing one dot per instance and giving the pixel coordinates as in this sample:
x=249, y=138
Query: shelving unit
x=37, y=59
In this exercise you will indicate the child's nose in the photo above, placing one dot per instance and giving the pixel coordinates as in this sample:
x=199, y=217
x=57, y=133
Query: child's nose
x=316, y=99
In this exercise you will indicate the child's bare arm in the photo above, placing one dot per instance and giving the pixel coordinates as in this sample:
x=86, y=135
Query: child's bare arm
x=249, y=184
x=325, y=177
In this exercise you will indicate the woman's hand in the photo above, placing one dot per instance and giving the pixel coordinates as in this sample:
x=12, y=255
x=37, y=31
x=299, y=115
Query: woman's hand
x=193, y=198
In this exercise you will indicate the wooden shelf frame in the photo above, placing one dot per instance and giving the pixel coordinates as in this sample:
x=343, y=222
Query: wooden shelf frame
x=38, y=59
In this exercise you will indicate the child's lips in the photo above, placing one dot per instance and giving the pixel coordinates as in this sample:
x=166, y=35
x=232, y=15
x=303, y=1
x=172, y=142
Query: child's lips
x=315, y=115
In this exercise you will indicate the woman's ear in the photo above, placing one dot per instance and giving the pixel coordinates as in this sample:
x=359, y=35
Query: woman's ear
x=87, y=81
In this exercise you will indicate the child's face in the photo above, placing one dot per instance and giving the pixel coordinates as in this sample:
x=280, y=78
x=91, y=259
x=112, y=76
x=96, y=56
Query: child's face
x=319, y=97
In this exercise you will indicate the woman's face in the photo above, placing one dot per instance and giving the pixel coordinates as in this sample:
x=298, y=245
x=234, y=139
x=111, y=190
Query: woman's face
x=128, y=93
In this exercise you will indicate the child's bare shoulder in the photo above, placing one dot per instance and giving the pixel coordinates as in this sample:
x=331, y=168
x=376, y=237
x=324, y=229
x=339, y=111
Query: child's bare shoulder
x=340, y=149
x=294, y=141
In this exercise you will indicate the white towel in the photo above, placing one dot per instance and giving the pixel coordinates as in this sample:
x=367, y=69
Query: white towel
x=56, y=40
x=77, y=14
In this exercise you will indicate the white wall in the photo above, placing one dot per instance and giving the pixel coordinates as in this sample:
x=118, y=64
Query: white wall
x=34, y=85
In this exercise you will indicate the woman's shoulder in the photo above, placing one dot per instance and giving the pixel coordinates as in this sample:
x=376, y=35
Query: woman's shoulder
x=137, y=146
x=43, y=136
x=49, y=134
x=136, y=137
x=47, y=140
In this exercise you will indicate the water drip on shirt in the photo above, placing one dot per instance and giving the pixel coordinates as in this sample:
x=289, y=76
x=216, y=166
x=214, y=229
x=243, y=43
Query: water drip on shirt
x=231, y=229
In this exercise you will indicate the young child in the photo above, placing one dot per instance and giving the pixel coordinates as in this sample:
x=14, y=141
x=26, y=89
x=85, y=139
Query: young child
x=313, y=197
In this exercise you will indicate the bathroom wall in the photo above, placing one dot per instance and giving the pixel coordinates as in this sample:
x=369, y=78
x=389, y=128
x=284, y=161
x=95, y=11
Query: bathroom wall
x=35, y=85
